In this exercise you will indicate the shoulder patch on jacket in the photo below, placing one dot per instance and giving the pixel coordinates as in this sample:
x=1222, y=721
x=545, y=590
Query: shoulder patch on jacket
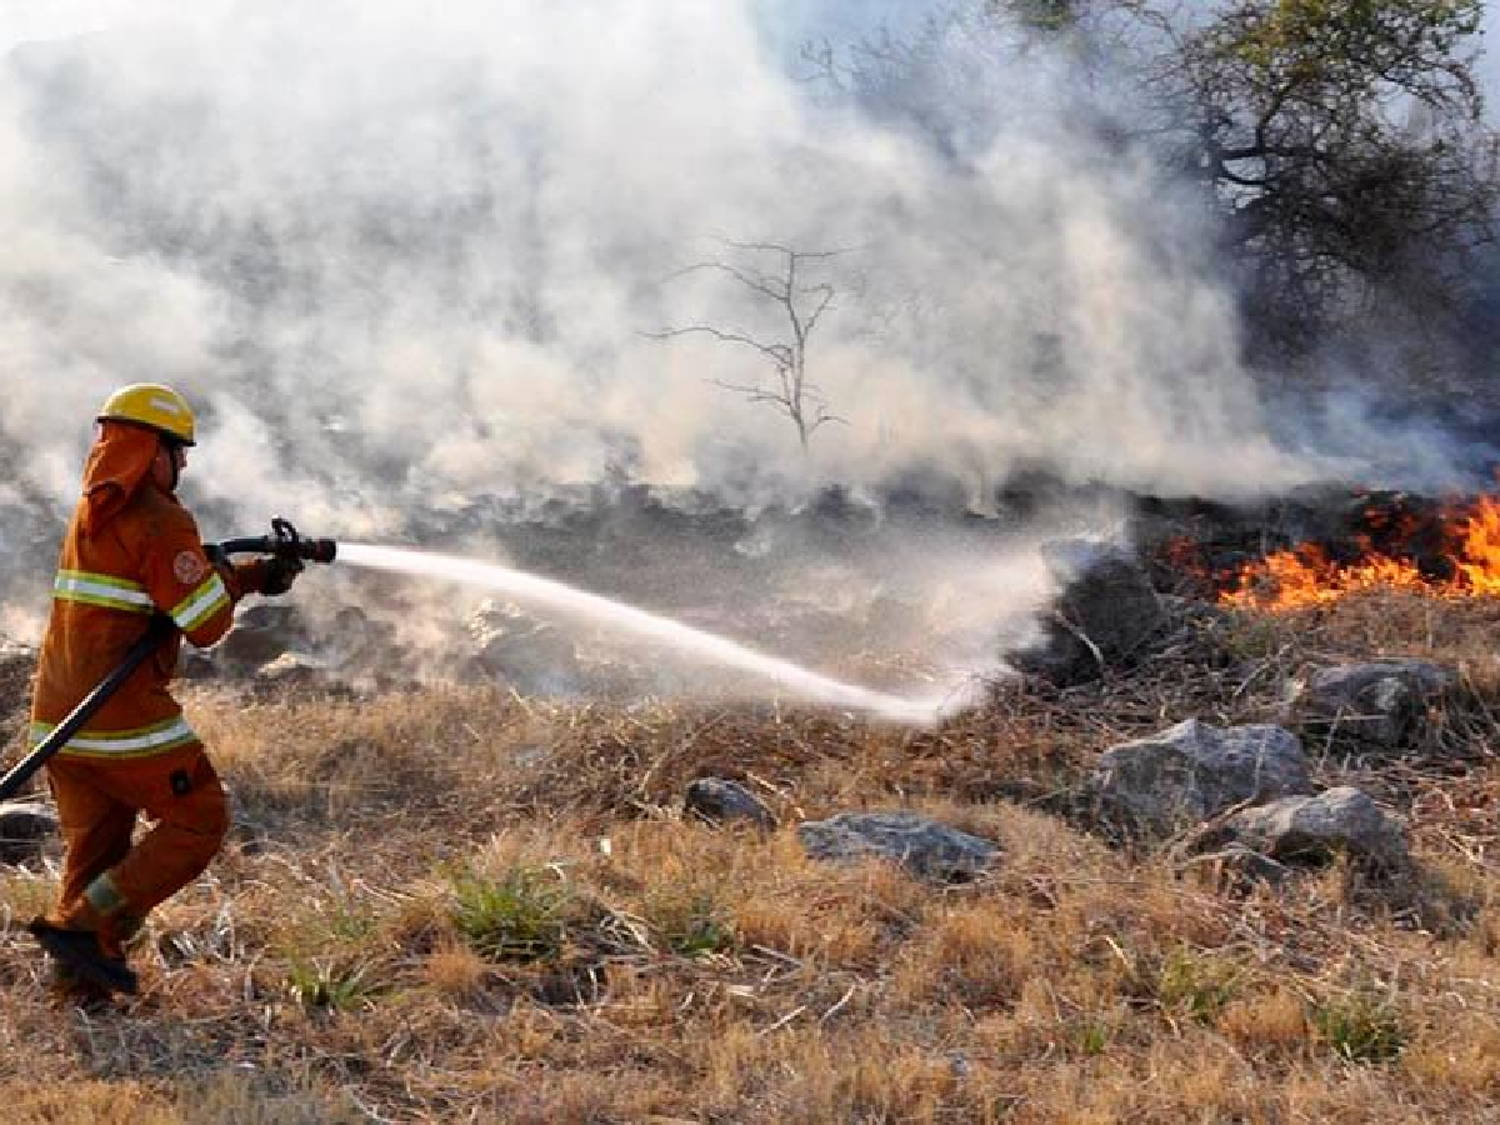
x=188, y=567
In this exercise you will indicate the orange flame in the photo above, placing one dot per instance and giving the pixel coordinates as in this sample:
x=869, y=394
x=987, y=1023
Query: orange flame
x=1305, y=576
x=1480, y=561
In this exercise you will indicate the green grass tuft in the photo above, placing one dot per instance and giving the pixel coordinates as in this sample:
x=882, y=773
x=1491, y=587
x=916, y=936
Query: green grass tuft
x=690, y=922
x=335, y=985
x=1197, y=984
x=1361, y=1026
x=522, y=915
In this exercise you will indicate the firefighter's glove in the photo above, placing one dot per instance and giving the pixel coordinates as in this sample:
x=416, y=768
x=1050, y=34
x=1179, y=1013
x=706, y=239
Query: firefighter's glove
x=278, y=573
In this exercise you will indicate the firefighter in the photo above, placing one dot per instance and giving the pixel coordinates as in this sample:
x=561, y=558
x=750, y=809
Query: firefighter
x=131, y=550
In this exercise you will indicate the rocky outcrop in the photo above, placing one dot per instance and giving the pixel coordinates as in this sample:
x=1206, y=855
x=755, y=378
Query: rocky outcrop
x=1373, y=707
x=261, y=633
x=919, y=843
x=292, y=672
x=1187, y=773
x=531, y=656
x=1311, y=830
x=717, y=801
x=25, y=828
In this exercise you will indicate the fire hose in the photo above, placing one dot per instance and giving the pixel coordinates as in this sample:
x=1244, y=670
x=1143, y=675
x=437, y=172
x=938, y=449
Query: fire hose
x=283, y=542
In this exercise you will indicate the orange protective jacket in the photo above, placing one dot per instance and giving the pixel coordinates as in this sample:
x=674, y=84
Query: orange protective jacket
x=131, y=550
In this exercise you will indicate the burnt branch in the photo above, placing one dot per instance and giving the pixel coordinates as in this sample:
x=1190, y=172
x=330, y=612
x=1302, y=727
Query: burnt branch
x=776, y=353
x=801, y=305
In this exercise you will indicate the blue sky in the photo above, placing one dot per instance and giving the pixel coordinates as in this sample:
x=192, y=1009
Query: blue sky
x=842, y=19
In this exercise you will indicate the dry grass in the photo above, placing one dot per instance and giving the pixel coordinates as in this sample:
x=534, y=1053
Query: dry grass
x=361, y=951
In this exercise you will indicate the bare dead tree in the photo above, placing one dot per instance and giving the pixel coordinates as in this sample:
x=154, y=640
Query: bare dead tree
x=802, y=306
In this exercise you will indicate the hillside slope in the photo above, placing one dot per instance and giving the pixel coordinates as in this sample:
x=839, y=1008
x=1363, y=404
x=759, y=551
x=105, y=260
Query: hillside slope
x=455, y=904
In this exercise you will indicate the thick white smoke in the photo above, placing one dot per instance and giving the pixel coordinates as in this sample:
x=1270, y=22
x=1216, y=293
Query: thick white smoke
x=402, y=250
x=405, y=255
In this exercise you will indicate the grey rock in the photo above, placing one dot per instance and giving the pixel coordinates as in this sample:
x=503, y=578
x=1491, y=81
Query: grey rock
x=1374, y=706
x=17, y=663
x=1193, y=771
x=1313, y=829
x=25, y=828
x=530, y=655
x=196, y=665
x=922, y=845
x=292, y=671
x=261, y=633
x=717, y=800
x=1106, y=616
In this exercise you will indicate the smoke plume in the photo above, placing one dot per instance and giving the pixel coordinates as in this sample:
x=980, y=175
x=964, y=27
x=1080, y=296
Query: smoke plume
x=399, y=252
x=404, y=255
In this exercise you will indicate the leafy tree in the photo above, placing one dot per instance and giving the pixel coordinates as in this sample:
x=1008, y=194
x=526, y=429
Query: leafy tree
x=1043, y=15
x=1343, y=142
x=1344, y=139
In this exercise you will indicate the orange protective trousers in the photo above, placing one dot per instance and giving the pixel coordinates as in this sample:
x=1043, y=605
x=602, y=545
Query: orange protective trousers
x=97, y=803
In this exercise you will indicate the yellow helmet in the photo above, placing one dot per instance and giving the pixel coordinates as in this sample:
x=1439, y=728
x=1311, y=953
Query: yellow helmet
x=153, y=405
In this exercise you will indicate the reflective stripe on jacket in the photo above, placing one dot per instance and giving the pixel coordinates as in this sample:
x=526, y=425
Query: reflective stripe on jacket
x=141, y=743
x=146, y=559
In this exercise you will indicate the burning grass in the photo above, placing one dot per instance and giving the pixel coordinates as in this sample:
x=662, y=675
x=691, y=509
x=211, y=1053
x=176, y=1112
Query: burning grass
x=1464, y=564
x=463, y=905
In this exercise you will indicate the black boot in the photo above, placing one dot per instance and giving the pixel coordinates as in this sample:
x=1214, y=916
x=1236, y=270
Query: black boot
x=79, y=951
x=66, y=989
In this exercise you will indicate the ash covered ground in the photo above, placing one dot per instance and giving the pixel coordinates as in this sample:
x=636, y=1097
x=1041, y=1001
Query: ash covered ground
x=897, y=594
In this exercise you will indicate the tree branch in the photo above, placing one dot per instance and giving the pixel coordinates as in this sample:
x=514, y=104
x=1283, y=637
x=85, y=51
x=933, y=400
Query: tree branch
x=777, y=353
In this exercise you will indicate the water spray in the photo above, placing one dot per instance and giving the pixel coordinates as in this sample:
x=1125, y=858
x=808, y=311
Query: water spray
x=285, y=542
x=534, y=590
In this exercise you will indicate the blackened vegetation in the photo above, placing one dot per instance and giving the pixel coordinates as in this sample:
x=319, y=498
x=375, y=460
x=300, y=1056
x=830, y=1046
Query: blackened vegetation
x=1198, y=548
x=1106, y=614
x=17, y=663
